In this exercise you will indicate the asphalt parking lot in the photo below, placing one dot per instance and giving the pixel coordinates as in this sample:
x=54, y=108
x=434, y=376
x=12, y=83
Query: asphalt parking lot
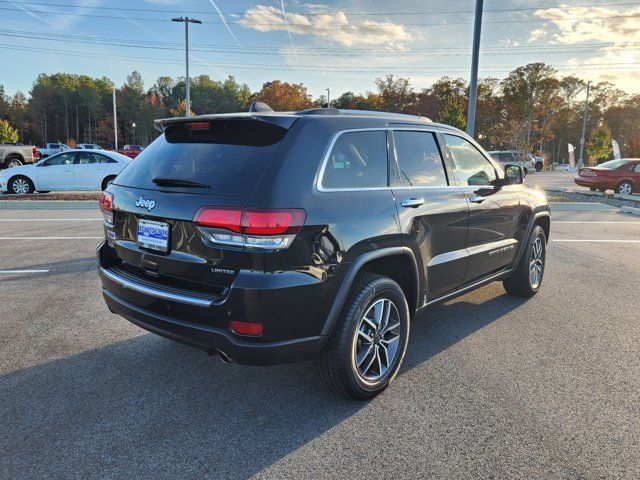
x=492, y=387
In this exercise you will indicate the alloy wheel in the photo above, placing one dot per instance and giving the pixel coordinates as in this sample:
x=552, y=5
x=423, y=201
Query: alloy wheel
x=20, y=186
x=377, y=340
x=14, y=163
x=625, y=189
x=536, y=263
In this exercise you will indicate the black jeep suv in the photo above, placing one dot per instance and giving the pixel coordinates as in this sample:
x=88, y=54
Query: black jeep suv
x=269, y=237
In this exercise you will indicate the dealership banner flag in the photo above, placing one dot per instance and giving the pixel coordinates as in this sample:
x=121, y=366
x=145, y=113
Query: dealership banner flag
x=616, y=150
x=572, y=155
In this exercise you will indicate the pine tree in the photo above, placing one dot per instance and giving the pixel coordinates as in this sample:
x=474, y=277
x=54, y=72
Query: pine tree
x=599, y=145
x=7, y=132
x=453, y=114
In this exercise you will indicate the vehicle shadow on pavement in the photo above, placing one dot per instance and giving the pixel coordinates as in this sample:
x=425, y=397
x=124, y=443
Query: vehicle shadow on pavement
x=150, y=408
x=63, y=267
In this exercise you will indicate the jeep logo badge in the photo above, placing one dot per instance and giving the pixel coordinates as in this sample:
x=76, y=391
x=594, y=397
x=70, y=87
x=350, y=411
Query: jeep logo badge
x=146, y=203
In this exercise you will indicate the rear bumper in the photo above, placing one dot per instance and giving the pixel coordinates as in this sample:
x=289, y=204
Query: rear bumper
x=594, y=182
x=212, y=339
x=293, y=315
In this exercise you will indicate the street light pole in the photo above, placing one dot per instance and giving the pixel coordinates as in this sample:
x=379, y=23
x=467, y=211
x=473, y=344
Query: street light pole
x=328, y=98
x=115, y=119
x=473, y=84
x=187, y=21
x=584, y=128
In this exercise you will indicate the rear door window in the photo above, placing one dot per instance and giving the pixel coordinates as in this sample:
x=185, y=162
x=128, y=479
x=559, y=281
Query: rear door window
x=357, y=160
x=229, y=156
x=419, y=161
x=60, y=159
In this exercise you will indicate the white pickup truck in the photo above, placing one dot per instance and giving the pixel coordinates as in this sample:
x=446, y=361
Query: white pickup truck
x=14, y=155
x=52, y=148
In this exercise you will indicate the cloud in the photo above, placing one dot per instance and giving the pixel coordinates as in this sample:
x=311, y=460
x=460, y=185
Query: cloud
x=577, y=24
x=595, y=67
x=334, y=26
x=537, y=34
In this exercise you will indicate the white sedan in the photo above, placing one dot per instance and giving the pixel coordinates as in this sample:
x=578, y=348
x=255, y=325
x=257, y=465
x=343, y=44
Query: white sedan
x=69, y=170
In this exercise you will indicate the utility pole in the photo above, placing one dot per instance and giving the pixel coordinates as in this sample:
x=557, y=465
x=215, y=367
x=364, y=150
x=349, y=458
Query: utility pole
x=328, y=98
x=473, y=84
x=115, y=119
x=584, y=128
x=186, y=21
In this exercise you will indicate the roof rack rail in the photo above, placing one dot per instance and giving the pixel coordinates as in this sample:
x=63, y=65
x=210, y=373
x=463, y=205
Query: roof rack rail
x=319, y=111
x=260, y=107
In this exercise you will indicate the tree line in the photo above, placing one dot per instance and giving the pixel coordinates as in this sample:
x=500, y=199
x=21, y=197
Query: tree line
x=533, y=108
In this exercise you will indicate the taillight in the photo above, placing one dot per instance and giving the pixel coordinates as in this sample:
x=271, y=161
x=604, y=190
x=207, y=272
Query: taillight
x=106, y=206
x=599, y=173
x=226, y=218
x=262, y=229
x=277, y=222
x=35, y=153
x=246, y=328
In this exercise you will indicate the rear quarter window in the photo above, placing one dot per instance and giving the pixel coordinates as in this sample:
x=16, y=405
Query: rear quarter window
x=230, y=156
x=357, y=160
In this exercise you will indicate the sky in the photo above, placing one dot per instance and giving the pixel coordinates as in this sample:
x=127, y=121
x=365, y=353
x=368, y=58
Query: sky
x=338, y=45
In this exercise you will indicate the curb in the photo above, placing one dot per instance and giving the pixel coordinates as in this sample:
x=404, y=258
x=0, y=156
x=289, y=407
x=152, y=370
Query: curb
x=49, y=205
x=632, y=210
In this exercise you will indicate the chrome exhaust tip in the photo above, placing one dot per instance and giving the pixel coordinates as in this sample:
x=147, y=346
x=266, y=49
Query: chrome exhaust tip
x=224, y=357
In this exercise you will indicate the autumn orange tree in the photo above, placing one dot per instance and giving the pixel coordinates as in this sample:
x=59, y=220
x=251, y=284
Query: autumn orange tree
x=284, y=97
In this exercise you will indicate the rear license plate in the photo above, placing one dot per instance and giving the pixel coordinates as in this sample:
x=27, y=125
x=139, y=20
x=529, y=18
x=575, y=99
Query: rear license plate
x=153, y=235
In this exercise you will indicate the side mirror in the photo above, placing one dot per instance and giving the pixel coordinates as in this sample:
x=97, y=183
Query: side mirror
x=513, y=174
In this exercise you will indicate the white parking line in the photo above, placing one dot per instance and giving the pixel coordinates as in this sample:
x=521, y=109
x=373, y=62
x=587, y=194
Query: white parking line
x=50, y=219
x=592, y=240
x=51, y=238
x=603, y=223
x=23, y=271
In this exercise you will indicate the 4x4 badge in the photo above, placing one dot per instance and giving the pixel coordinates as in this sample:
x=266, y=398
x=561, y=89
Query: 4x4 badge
x=146, y=203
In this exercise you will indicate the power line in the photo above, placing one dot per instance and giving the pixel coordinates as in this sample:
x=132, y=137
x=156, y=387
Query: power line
x=323, y=12
x=312, y=27
x=321, y=68
x=315, y=52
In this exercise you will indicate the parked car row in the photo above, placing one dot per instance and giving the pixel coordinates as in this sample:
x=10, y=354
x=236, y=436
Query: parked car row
x=69, y=170
x=130, y=151
x=525, y=159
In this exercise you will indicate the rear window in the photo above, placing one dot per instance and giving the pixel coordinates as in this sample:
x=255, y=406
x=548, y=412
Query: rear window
x=613, y=164
x=230, y=157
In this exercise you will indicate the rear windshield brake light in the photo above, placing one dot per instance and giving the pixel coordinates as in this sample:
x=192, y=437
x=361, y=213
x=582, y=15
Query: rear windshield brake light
x=198, y=126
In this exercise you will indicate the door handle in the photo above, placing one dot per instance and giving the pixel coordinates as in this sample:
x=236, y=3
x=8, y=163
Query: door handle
x=412, y=202
x=476, y=199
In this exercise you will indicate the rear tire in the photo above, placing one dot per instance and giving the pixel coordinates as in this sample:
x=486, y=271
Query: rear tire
x=107, y=181
x=538, y=167
x=527, y=277
x=12, y=161
x=367, y=347
x=593, y=189
x=20, y=185
x=624, y=188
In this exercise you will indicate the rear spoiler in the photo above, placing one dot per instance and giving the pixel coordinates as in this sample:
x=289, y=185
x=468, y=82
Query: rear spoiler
x=281, y=120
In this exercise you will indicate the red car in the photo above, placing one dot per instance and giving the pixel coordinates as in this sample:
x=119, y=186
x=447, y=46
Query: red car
x=622, y=176
x=130, y=151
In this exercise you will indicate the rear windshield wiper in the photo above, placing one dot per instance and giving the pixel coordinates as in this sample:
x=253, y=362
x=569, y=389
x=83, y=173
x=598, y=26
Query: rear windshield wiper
x=178, y=182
